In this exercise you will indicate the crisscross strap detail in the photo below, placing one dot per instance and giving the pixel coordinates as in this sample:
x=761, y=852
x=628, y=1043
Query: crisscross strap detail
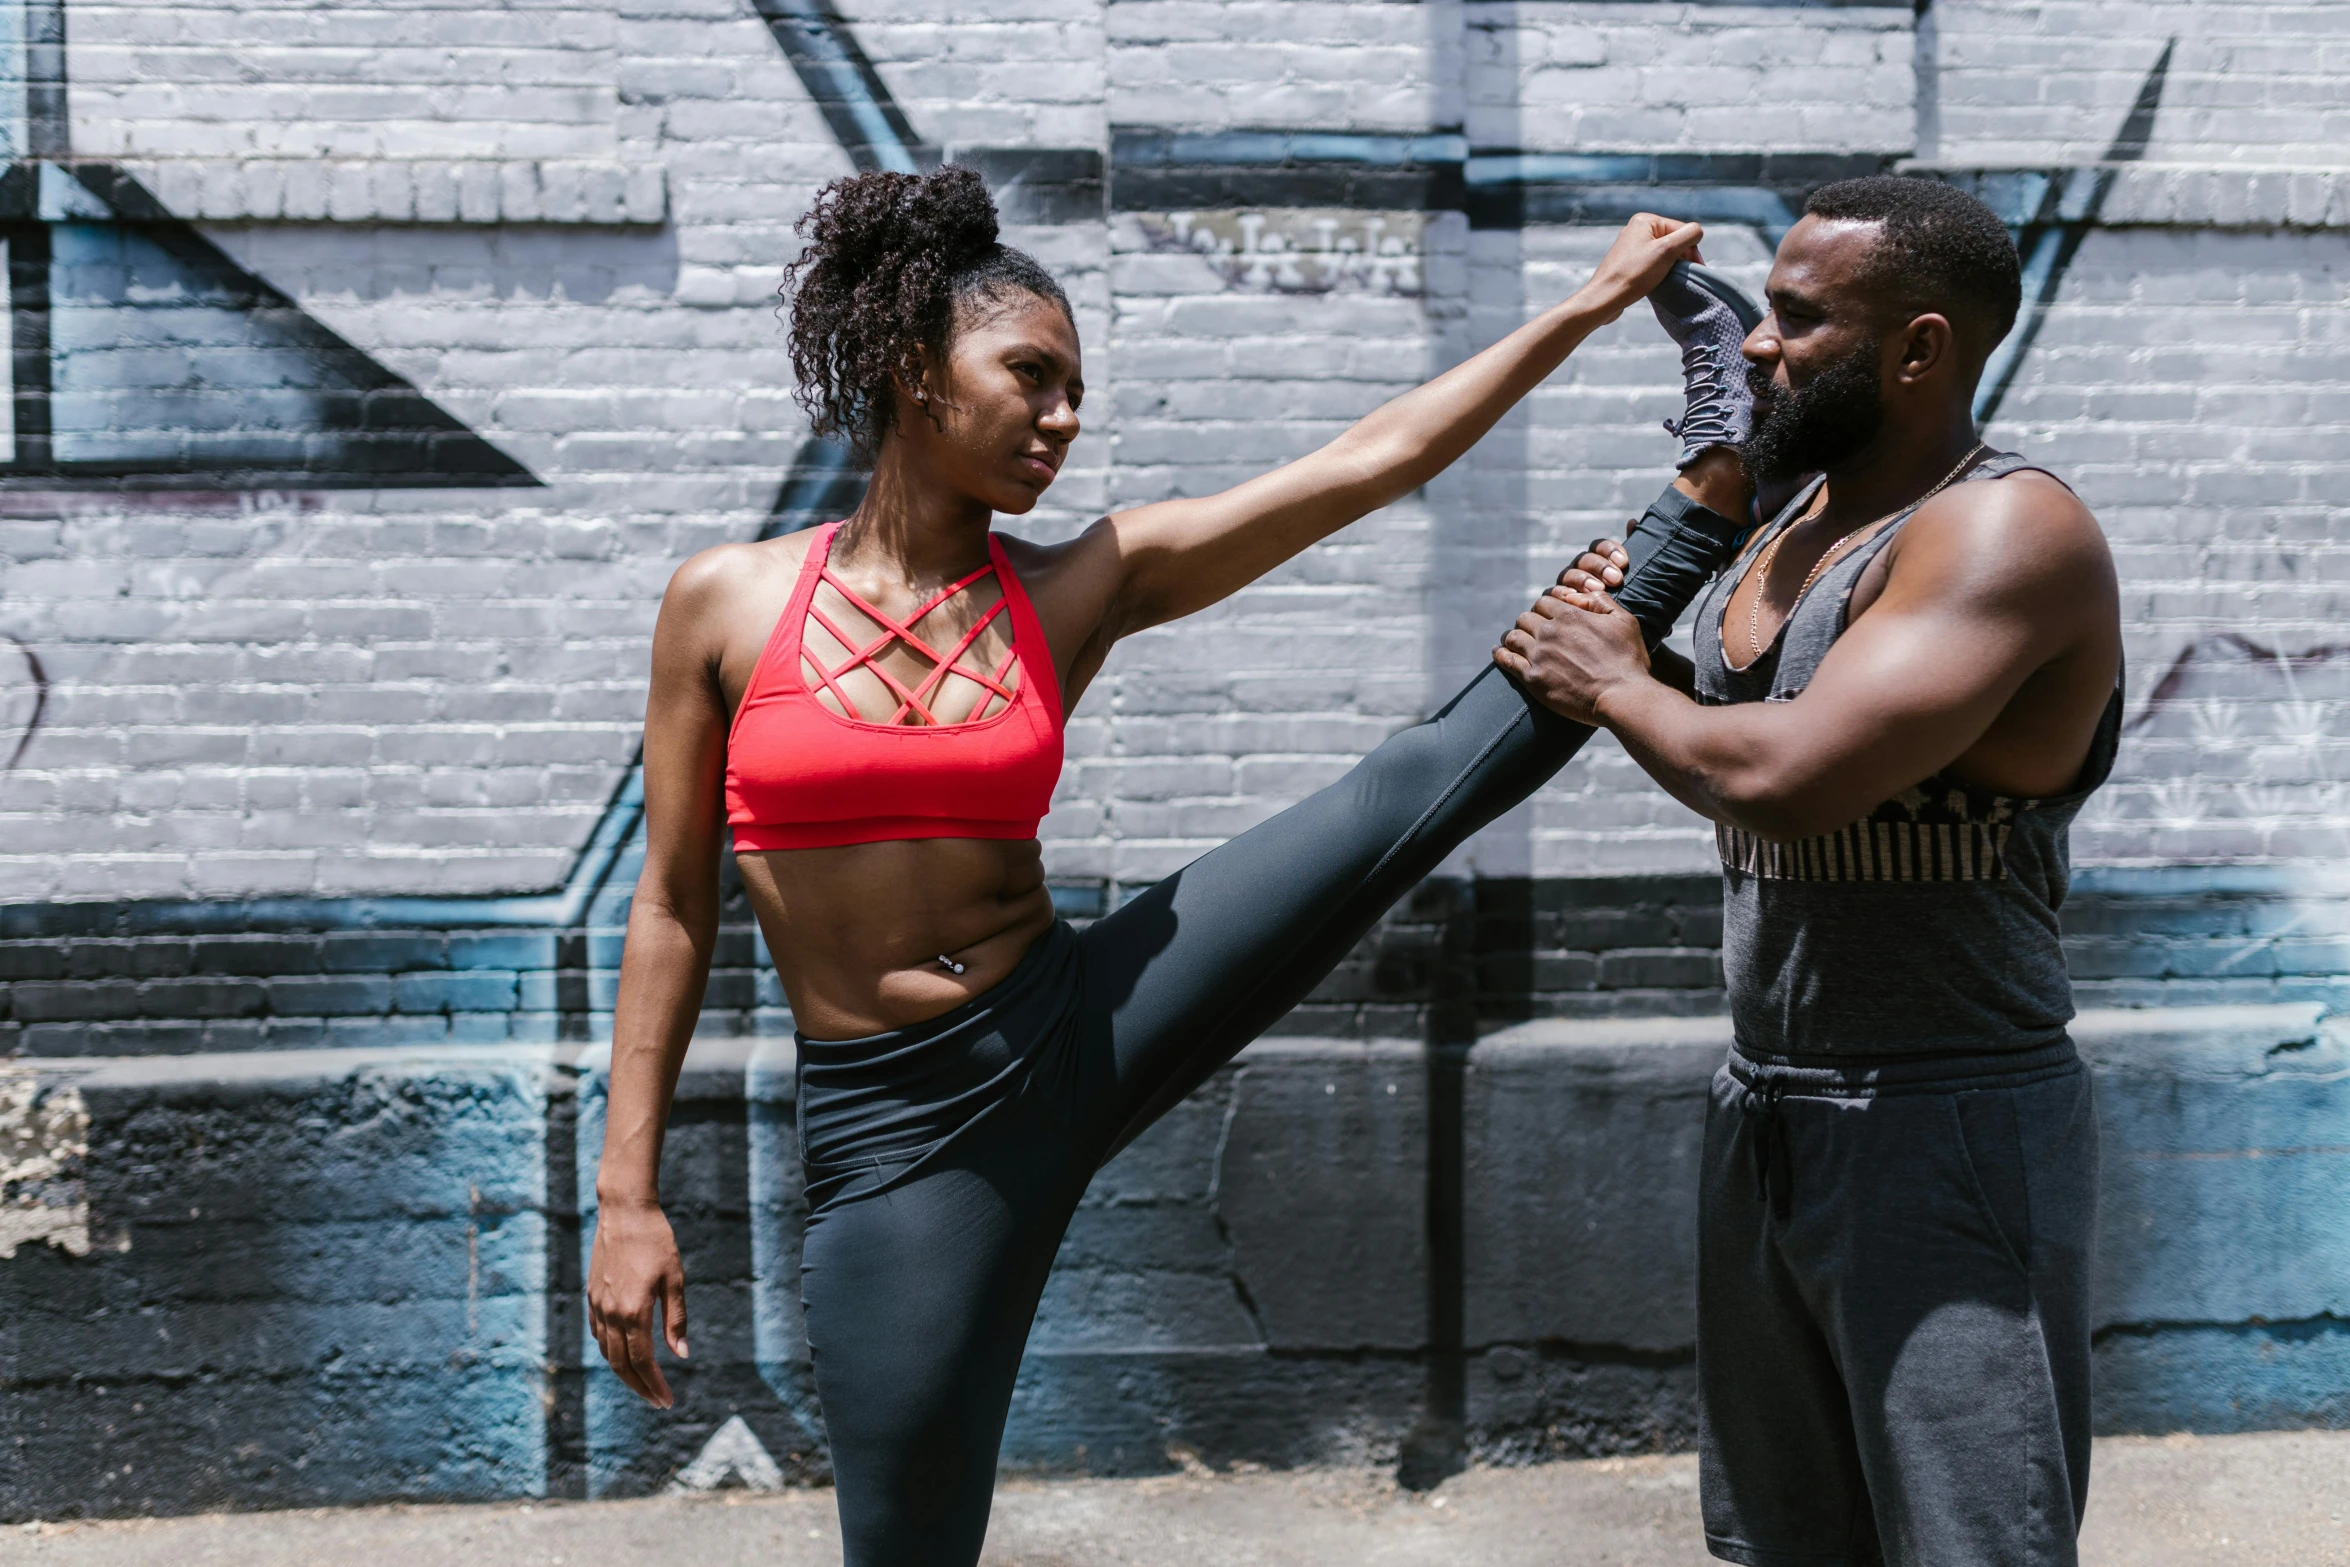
x=915, y=700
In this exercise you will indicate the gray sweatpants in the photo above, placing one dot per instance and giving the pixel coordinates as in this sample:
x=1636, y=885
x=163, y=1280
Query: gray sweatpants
x=1893, y=1311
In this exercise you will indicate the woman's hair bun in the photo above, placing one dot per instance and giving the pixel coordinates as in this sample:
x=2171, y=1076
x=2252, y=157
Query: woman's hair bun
x=953, y=205
x=887, y=256
x=946, y=218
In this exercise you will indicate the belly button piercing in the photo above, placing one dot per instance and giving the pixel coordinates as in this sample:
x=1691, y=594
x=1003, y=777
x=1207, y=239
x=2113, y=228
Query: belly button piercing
x=949, y=963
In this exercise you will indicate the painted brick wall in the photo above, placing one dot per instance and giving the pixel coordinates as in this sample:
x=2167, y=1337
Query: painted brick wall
x=2252, y=82
x=400, y=81
x=2189, y=382
x=1688, y=78
x=1324, y=64
x=398, y=355
x=286, y=691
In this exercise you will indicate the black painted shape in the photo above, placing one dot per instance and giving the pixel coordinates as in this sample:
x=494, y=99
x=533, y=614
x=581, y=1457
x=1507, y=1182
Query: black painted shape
x=823, y=485
x=2137, y=131
x=48, y=129
x=1436, y=188
x=28, y=326
x=565, y=1312
x=1765, y=189
x=38, y=678
x=848, y=92
x=1437, y=1445
x=1040, y=184
x=145, y=410
x=1426, y=188
x=1155, y=169
x=2129, y=146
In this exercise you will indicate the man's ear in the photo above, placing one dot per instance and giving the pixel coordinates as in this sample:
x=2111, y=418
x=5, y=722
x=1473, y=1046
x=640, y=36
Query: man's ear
x=1928, y=347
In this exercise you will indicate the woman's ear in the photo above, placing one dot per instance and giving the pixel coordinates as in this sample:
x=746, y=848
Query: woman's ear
x=917, y=385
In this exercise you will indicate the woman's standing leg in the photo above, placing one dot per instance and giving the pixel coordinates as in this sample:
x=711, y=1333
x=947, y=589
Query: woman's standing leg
x=919, y=1300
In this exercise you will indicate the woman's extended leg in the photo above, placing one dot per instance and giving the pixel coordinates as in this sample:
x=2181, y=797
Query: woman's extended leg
x=1177, y=981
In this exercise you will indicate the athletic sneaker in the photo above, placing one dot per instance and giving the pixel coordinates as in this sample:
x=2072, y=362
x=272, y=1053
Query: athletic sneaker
x=1709, y=316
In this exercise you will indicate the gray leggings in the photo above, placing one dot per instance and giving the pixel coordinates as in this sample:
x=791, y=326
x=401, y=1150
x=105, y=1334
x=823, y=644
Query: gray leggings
x=944, y=1161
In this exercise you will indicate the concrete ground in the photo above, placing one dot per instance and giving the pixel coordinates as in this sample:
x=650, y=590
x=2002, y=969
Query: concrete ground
x=2271, y=1500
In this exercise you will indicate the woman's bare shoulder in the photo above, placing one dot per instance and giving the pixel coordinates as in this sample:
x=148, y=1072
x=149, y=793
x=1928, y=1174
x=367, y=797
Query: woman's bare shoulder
x=1087, y=563
x=1072, y=582
x=715, y=578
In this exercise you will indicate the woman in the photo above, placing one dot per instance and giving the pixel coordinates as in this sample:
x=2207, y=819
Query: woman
x=875, y=709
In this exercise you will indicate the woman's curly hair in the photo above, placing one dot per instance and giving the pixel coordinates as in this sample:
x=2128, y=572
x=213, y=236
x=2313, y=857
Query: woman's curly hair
x=887, y=260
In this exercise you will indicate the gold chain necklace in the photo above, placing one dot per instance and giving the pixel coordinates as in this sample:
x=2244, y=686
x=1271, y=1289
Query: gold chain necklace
x=1762, y=574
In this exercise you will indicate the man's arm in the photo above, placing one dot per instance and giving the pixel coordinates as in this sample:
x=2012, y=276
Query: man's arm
x=1988, y=587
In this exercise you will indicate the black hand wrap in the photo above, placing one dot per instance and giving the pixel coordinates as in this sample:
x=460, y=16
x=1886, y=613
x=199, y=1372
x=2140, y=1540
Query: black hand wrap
x=1675, y=547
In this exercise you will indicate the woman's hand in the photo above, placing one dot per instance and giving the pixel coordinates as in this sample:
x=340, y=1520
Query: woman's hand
x=634, y=1269
x=1599, y=569
x=1644, y=251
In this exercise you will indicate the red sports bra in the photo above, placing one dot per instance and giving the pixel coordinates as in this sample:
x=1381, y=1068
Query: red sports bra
x=801, y=776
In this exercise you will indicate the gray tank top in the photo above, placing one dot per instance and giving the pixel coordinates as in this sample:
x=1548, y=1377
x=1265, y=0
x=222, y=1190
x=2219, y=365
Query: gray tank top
x=1927, y=927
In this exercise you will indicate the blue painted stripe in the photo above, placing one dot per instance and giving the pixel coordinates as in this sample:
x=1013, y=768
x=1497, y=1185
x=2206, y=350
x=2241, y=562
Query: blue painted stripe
x=1172, y=149
x=2071, y=201
x=2040, y=279
x=2300, y=880
x=1510, y=168
x=566, y=905
x=856, y=105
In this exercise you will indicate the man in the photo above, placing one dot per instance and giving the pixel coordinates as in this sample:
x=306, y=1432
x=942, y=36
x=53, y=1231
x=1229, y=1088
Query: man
x=1901, y=694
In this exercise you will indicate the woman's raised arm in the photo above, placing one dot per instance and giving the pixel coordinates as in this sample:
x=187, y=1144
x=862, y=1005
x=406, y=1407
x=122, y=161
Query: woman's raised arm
x=672, y=927
x=1175, y=557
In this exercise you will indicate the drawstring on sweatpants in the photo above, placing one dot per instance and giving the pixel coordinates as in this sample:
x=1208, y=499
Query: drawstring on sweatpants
x=1774, y=1166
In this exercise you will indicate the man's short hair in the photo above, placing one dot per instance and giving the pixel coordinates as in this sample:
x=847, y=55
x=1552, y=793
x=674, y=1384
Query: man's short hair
x=1942, y=250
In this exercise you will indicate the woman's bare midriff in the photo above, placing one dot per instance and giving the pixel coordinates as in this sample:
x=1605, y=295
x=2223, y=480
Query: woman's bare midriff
x=857, y=932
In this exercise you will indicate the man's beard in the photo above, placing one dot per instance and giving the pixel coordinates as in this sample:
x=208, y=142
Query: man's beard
x=1818, y=424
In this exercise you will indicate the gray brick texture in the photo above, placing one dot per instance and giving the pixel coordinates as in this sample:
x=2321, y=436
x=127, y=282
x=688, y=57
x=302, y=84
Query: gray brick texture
x=565, y=222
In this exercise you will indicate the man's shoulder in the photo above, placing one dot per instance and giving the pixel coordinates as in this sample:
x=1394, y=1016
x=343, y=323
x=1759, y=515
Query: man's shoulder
x=2028, y=521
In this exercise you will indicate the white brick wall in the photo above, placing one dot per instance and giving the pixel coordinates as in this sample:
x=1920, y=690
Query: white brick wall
x=2193, y=386
x=1325, y=64
x=2050, y=81
x=1015, y=73
x=436, y=690
x=1568, y=76
x=427, y=79
x=1198, y=730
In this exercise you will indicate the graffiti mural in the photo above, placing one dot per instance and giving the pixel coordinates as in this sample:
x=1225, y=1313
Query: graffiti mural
x=2277, y=714
x=324, y=780
x=24, y=692
x=144, y=358
x=2051, y=211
